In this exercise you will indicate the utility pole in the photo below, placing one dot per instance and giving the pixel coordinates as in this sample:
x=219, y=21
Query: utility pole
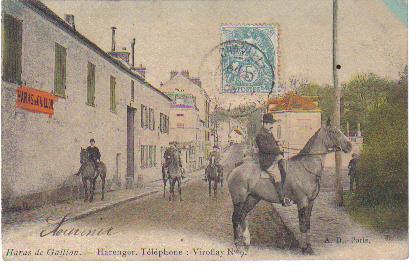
x=339, y=198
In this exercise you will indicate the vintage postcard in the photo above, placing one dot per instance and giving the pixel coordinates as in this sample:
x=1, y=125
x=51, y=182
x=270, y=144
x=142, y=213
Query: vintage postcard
x=204, y=130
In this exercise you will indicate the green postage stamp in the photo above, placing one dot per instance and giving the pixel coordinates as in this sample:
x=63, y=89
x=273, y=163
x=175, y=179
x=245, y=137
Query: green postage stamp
x=249, y=58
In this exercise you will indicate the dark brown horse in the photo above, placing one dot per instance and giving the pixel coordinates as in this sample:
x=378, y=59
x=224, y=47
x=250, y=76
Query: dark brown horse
x=214, y=175
x=172, y=172
x=88, y=173
x=164, y=178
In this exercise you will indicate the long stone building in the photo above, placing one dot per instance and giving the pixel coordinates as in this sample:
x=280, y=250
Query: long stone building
x=49, y=67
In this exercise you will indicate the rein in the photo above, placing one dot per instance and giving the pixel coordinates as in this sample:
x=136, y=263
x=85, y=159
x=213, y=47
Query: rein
x=322, y=165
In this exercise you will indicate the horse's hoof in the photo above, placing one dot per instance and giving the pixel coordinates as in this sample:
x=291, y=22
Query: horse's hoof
x=246, y=248
x=307, y=250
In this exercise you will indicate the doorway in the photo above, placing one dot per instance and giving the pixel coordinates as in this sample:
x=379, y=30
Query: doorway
x=130, y=142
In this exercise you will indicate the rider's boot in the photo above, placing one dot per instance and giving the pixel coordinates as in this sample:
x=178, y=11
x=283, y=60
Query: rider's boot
x=278, y=189
x=286, y=201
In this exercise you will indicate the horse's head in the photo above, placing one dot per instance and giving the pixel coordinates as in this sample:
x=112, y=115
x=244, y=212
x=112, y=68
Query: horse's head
x=335, y=139
x=83, y=155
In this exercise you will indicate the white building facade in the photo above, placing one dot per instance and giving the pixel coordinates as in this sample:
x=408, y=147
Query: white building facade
x=190, y=125
x=97, y=97
x=298, y=118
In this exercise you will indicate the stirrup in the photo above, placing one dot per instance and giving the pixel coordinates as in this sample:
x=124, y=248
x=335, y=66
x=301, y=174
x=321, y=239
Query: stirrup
x=287, y=202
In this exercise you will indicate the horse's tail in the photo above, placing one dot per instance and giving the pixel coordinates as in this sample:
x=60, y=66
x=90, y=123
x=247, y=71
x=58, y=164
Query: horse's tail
x=237, y=184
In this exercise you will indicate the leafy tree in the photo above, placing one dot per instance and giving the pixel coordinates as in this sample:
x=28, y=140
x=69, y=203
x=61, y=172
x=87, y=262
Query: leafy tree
x=383, y=166
x=361, y=95
x=325, y=95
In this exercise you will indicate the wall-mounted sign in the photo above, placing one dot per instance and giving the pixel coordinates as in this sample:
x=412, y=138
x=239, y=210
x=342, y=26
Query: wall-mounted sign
x=35, y=100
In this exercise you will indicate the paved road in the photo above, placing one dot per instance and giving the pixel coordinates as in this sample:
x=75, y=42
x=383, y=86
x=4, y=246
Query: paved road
x=152, y=228
x=199, y=226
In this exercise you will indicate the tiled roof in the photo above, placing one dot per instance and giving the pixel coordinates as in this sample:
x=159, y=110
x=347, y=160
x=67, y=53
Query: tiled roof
x=293, y=102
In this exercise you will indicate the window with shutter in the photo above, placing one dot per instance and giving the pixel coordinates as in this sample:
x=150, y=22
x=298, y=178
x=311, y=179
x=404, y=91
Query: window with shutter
x=113, y=94
x=161, y=122
x=142, y=116
x=91, y=84
x=12, y=49
x=132, y=91
x=60, y=70
x=151, y=119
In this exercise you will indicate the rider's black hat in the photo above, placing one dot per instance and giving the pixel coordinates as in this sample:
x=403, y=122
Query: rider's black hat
x=268, y=118
x=92, y=140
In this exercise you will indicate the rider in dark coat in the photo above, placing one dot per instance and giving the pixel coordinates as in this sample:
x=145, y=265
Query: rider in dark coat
x=94, y=155
x=270, y=155
x=216, y=155
x=170, y=159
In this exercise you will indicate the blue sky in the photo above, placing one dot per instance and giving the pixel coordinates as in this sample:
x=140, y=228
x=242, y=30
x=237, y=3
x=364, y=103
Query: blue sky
x=398, y=8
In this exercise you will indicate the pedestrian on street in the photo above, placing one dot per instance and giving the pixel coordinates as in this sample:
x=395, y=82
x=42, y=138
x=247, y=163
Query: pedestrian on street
x=352, y=171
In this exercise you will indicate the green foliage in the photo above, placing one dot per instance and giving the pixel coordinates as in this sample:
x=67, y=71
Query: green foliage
x=360, y=96
x=380, y=106
x=383, y=167
x=325, y=94
x=382, y=217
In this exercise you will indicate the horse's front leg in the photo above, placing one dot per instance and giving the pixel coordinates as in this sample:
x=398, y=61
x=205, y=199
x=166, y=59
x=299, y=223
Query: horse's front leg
x=209, y=186
x=179, y=188
x=304, y=214
x=92, y=189
x=222, y=180
x=84, y=181
x=164, y=188
x=102, y=187
x=170, y=189
x=215, y=186
x=236, y=219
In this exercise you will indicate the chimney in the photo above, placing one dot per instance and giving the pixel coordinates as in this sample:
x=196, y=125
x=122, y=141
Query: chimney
x=185, y=73
x=197, y=81
x=133, y=42
x=141, y=70
x=113, y=38
x=173, y=74
x=70, y=20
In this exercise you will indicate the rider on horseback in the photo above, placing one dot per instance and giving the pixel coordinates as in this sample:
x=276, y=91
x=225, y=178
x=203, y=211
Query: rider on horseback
x=270, y=157
x=170, y=157
x=215, y=155
x=94, y=155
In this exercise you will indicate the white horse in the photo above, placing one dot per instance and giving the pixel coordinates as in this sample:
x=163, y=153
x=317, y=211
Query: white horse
x=302, y=184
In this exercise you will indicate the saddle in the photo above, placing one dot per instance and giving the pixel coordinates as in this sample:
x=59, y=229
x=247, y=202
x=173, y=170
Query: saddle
x=266, y=175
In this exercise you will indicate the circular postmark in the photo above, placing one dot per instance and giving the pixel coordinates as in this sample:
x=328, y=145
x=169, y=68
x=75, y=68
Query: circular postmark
x=240, y=64
x=240, y=73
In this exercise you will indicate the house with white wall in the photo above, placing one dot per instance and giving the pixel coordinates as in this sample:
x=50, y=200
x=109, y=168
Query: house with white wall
x=190, y=117
x=298, y=118
x=95, y=95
